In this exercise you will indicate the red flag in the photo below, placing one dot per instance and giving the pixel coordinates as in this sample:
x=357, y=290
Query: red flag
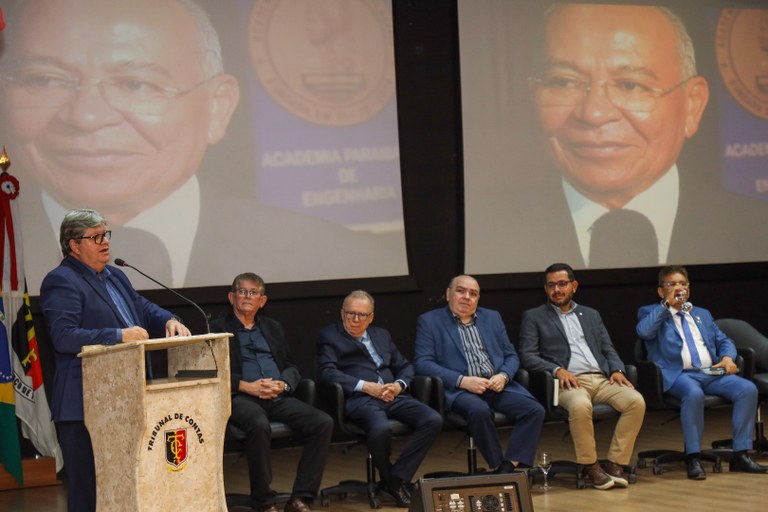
x=31, y=403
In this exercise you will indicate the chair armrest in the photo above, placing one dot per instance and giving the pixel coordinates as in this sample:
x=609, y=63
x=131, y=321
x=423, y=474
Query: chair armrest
x=332, y=401
x=630, y=371
x=306, y=391
x=650, y=384
x=749, y=361
x=421, y=388
x=437, y=401
x=523, y=378
x=542, y=387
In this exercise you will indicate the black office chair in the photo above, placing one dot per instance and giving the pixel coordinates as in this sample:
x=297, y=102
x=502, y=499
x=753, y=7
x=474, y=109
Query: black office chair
x=651, y=386
x=456, y=421
x=753, y=347
x=543, y=388
x=333, y=402
x=235, y=438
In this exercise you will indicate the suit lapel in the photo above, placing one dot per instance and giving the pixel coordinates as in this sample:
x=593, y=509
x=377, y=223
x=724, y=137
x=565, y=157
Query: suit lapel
x=357, y=344
x=100, y=288
x=453, y=334
x=555, y=320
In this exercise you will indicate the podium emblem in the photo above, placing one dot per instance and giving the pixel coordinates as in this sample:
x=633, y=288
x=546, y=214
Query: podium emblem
x=176, y=448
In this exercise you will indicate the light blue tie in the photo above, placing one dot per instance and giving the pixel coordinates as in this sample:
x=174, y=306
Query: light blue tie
x=695, y=359
x=377, y=360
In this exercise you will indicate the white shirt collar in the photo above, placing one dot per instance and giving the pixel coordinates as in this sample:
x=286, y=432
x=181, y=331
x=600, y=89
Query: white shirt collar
x=658, y=204
x=174, y=220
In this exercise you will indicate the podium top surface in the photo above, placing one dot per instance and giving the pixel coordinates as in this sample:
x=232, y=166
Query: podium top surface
x=153, y=344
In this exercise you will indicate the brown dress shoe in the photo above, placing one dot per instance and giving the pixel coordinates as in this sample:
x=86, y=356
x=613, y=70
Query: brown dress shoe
x=616, y=472
x=296, y=505
x=597, y=477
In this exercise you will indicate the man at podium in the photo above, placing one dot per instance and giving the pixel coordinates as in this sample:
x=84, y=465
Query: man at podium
x=87, y=302
x=264, y=377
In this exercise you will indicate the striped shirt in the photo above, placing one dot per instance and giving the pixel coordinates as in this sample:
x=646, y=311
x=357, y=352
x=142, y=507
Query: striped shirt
x=478, y=361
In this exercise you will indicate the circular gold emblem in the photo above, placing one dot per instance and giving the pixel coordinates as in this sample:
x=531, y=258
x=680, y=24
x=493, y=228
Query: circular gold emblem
x=742, y=56
x=328, y=62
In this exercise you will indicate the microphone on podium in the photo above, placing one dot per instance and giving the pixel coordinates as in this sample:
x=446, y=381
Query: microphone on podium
x=180, y=373
x=120, y=262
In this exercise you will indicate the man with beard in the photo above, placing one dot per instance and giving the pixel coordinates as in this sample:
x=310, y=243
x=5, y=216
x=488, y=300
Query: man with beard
x=570, y=341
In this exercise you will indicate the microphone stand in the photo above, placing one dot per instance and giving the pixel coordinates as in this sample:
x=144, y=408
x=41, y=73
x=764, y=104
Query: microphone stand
x=181, y=374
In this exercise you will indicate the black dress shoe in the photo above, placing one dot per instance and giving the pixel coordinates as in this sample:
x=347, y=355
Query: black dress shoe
x=400, y=493
x=744, y=464
x=504, y=468
x=695, y=471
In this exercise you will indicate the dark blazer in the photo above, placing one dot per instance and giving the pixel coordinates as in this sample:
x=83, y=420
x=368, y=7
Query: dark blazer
x=664, y=344
x=275, y=336
x=544, y=344
x=343, y=359
x=439, y=351
x=79, y=312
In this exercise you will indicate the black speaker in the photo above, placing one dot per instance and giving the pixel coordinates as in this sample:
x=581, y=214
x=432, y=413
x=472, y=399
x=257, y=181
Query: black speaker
x=475, y=493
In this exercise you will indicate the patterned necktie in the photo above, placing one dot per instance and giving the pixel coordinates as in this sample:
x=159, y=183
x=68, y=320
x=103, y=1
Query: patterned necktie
x=695, y=359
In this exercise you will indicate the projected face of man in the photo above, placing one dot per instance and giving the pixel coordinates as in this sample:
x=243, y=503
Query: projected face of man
x=82, y=71
x=612, y=153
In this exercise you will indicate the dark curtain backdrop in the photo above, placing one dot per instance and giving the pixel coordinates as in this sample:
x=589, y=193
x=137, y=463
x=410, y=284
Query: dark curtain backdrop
x=430, y=140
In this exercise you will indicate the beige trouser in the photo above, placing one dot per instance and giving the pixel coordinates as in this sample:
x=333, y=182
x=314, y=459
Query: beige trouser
x=578, y=402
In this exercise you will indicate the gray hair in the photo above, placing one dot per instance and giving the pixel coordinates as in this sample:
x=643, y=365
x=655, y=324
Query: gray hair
x=358, y=294
x=208, y=43
x=74, y=225
x=249, y=276
x=683, y=44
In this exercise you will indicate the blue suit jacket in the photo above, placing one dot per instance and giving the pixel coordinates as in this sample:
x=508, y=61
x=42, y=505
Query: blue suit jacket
x=439, y=351
x=343, y=359
x=664, y=344
x=79, y=311
x=544, y=344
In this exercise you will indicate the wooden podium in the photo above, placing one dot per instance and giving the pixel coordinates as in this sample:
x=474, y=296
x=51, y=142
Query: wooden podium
x=158, y=445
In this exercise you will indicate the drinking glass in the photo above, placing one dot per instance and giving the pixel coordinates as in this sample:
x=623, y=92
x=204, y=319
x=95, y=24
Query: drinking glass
x=544, y=463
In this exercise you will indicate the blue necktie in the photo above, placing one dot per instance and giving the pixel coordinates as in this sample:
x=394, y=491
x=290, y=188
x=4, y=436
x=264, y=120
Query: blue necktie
x=377, y=360
x=695, y=359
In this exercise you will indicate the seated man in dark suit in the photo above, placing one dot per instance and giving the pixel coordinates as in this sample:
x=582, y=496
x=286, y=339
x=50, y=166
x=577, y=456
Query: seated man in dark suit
x=468, y=348
x=375, y=377
x=685, y=342
x=264, y=377
x=570, y=341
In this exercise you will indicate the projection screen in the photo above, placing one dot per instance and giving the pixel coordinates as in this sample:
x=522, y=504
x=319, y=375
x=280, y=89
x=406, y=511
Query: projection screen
x=577, y=111
x=283, y=160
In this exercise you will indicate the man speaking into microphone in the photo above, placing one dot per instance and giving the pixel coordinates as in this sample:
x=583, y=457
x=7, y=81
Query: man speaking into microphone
x=87, y=302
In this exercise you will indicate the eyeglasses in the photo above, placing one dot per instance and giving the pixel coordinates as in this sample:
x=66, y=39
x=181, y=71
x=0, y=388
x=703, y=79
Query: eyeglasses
x=354, y=315
x=250, y=293
x=98, y=238
x=558, y=284
x=672, y=284
x=128, y=94
x=560, y=90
